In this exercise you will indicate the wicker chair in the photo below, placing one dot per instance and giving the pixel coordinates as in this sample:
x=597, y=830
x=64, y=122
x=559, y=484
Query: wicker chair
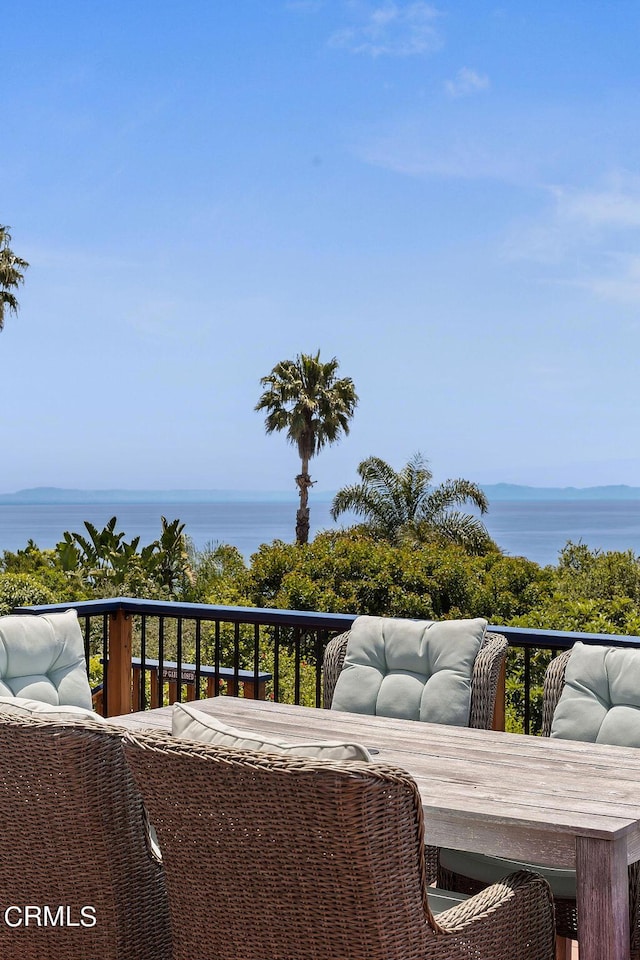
x=484, y=682
x=565, y=909
x=74, y=846
x=274, y=858
x=566, y=914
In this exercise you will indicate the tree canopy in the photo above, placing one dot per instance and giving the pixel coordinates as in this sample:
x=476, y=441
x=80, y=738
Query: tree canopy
x=305, y=398
x=12, y=270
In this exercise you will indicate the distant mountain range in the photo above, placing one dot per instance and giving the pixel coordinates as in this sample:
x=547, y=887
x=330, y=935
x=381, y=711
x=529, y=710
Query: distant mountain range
x=60, y=495
x=496, y=491
x=513, y=491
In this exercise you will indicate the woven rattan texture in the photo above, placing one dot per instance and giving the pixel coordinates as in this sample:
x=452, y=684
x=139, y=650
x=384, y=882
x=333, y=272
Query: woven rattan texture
x=72, y=829
x=275, y=858
x=553, y=686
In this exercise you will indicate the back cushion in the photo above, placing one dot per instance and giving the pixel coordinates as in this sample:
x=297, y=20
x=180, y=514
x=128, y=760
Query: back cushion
x=410, y=669
x=42, y=658
x=600, y=701
x=196, y=725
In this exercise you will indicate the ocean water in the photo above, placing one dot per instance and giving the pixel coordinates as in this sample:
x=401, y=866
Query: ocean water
x=539, y=529
x=244, y=524
x=535, y=529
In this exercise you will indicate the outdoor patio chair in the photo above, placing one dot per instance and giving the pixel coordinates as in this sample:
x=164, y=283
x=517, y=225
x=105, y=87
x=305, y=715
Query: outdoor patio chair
x=459, y=652
x=78, y=879
x=42, y=658
x=596, y=678
x=276, y=857
x=444, y=672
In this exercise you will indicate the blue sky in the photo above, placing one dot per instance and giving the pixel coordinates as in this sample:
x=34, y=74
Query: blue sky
x=444, y=196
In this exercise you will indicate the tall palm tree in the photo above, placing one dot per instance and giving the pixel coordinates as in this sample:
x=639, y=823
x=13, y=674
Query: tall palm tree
x=305, y=398
x=10, y=275
x=402, y=505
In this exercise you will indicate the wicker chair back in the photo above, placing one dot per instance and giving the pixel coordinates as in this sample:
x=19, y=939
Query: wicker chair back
x=74, y=848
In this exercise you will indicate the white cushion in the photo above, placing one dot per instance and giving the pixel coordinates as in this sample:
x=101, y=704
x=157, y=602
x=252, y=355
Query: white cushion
x=42, y=658
x=600, y=700
x=23, y=707
x=195, y=725
x=488, y=870
x=410, y=669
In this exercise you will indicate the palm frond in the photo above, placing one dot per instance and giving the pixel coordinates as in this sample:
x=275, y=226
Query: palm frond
x=11, y=275
x=453, y=493
x=366, y=503
x=466, y=531
x=402, y=506
x=304, y=398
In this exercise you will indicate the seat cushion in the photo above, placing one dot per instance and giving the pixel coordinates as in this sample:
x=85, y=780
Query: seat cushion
x=196, y=725
x=600, y=701
x=23, y=707
x=410, y=669
x=441, y=900
x=42, y=658
x=488, y=870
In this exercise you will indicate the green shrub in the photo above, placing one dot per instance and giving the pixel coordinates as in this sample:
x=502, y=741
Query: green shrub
x=22, y=590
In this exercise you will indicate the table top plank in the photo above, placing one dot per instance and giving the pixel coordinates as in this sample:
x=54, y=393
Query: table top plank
x=602, y=756
x=517, y=784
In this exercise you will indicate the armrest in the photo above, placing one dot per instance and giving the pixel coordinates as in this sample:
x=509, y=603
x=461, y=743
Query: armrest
x=516, y=913
x=553, y=686
x=332, y=665
x=484, y=681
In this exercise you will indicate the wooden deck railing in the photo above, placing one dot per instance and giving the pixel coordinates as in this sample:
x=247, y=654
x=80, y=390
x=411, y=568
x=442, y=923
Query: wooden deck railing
x=154, y=650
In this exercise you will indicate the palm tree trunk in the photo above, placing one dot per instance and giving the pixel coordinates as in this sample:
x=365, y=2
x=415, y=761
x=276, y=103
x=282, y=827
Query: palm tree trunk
x=303, y=481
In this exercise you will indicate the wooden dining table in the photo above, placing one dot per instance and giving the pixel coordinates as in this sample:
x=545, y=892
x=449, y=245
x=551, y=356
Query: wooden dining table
x=560, y=803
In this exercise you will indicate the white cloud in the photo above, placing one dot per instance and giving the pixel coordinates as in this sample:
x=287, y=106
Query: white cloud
x=420, y=148
x=590, y=238
x=467, y=82
x=618, y=281
x=463, y=161
x=618, y=206
x=393, y=29
x=580, y=219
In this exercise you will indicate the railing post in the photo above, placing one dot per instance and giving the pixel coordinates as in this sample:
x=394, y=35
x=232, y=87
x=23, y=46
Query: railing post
x=254, y=689
x=119, y=664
